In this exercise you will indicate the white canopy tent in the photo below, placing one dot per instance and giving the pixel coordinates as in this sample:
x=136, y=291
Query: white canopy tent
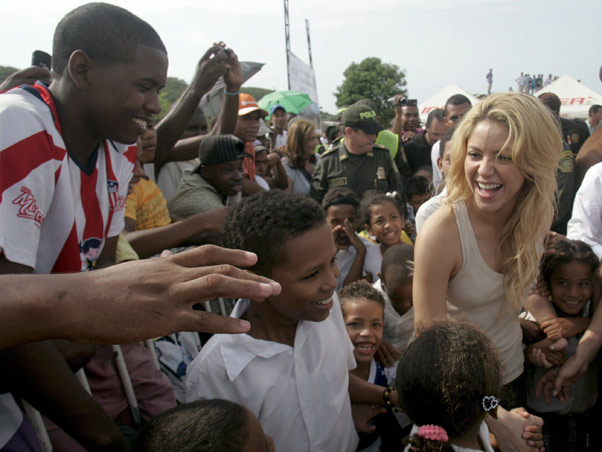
x=438, y=100
x=576, y=98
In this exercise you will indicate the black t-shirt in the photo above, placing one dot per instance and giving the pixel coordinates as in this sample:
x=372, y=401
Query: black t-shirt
x=418, y=152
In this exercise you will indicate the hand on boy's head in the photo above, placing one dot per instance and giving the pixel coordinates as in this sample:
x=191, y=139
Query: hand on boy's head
x=27, y=76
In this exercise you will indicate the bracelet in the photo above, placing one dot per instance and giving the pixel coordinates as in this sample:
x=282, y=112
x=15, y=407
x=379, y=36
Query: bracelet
x=231, y=94
x=386, y=396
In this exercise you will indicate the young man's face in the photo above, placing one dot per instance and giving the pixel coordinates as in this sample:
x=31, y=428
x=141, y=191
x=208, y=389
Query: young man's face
x=409, y=118
x=247, y=126
x=454, y=113
x=278, y=120
x=435, y=131
x=261, y=163
x=335, y=218
x=359, y=142
x=225, y=177
x=308, y=276
x=123, y=97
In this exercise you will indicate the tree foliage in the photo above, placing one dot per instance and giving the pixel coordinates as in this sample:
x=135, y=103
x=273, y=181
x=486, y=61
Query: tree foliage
x=375, y=80
x=257, y=93
x=5, y=71
x=174, y=87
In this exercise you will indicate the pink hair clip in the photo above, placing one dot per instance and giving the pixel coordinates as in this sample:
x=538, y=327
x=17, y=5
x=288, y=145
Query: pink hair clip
x=433, y=432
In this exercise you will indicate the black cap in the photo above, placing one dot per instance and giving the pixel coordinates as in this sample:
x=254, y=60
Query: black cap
x=221, y=149
x=362, y=116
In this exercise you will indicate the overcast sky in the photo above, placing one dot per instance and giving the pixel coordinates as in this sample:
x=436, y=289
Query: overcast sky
x=436, y=42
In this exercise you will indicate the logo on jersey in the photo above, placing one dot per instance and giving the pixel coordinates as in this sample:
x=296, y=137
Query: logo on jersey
x=116, y=200
x=28, y=207
x=89, y=251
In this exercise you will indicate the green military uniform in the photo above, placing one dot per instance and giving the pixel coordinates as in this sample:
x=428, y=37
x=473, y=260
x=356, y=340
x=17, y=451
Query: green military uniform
x=374, y=170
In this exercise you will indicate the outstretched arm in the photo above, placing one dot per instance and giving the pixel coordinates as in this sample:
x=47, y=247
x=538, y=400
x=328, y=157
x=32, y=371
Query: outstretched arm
x=149, y=242
x=130, y=301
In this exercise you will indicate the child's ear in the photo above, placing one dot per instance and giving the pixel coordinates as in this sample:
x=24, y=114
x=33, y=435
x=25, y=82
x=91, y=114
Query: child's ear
x=79, y=66
x=439, y=163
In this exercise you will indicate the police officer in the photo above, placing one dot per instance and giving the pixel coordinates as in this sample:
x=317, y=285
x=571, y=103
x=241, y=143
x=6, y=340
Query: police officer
x=355, y=162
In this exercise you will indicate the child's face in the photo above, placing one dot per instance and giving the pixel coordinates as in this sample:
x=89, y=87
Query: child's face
x=386, y=223
x=148, y=143
x=308, y=276
x=335, y=217
x=124, y=96
x=571, y=287
x=445, y=162
x=364, y=323
x=257, y=440
x=417, y=200
x=400, y=295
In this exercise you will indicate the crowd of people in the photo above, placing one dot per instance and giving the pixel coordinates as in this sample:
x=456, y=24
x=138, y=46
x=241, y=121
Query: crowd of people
x=416, y=288
x=531, y=83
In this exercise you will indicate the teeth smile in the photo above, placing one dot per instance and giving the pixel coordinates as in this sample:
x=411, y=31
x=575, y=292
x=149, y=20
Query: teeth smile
x=322, y=303
x=489, y=186
x=141, y=122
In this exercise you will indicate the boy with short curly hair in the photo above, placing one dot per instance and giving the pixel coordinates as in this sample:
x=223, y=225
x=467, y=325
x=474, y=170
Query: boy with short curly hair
x=291, y=370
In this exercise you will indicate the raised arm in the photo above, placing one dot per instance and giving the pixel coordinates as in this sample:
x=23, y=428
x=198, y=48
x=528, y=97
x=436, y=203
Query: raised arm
x=216, y=62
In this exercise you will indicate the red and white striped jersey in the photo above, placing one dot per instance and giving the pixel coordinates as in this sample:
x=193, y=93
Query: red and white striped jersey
x=55, y=215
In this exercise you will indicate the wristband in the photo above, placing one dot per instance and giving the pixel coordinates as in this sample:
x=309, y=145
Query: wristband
x=231, y=94
x=387, y=398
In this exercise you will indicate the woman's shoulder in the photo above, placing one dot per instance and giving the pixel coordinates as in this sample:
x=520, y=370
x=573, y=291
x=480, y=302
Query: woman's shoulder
x=441, y=224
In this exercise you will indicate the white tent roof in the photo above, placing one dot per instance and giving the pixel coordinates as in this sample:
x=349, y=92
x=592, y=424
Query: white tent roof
x=576, y=98
x=438, y=100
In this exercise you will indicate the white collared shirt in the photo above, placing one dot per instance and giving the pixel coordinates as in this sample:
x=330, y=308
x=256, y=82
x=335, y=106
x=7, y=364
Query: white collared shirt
x=399, y=330
x=299, y=394
x=586, y=220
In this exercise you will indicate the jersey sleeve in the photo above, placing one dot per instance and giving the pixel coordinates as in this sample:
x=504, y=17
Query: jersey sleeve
x=124, y=170
x=29, y=165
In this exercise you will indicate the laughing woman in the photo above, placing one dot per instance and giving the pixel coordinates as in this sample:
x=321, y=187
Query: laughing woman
x=478, y=255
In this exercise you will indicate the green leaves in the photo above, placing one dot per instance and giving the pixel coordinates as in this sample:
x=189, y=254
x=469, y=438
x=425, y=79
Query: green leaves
x=372, y=79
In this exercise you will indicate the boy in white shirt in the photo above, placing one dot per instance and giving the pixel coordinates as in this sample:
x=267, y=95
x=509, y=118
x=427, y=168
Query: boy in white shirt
x=291, y=369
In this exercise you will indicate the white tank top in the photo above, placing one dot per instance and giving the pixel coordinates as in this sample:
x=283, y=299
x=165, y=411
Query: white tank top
x=477, y=294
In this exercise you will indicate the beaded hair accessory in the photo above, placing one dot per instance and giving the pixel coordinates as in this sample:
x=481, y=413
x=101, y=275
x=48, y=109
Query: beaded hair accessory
x=433, y=432
x=489, y=402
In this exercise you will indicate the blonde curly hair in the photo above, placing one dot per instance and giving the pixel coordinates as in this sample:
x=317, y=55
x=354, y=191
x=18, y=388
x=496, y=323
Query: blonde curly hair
x=535, y=144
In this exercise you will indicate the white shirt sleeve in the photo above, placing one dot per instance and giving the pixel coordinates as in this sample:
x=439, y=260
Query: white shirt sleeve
x=586, y=221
